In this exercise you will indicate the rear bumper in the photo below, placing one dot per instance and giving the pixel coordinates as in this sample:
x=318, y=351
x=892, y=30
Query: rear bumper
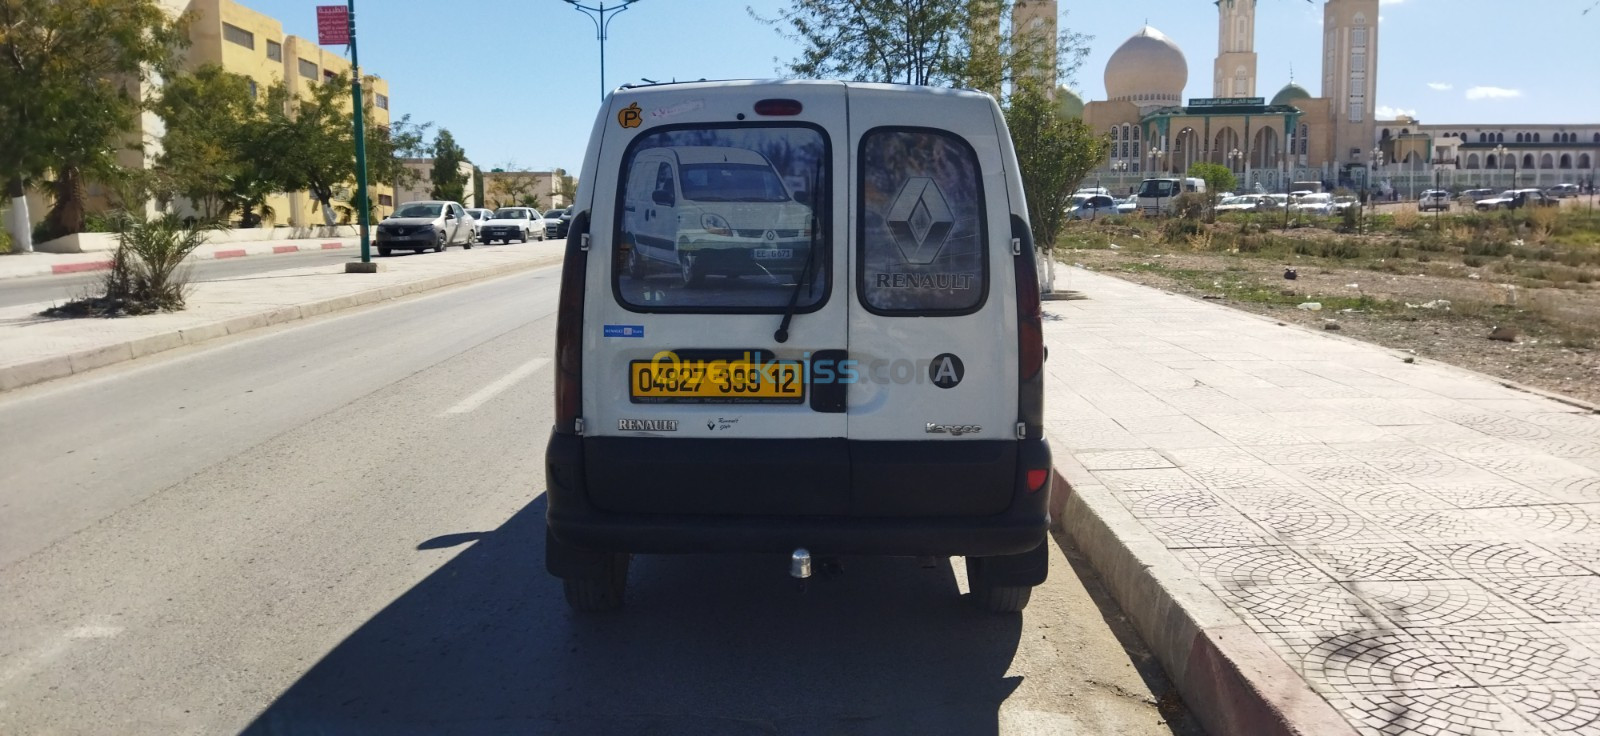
x=575, y=520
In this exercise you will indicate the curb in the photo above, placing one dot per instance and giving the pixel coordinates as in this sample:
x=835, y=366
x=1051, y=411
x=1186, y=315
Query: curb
x=61, y=366
x=1229, y=677
x=61, y=269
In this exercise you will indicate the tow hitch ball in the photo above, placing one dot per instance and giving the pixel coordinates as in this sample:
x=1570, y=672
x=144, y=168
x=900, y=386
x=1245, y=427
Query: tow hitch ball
x=800, y=564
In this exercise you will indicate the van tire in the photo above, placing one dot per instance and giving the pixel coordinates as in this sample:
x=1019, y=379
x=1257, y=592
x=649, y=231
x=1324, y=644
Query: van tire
x=633, y=264
x=691, y=271
x=992, y=597
x=601, y=592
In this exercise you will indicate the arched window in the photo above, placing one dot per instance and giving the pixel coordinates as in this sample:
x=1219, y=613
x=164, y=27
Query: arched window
x=1489, y=161
x=1584, y=161
x=1519, y=137
x=1547, y=162
x=1385, y=135
x=1527, y=161
x=1538, y=137
x=1499, y=137
x=1483, y=137
x=1566, y=160
x=1305, y=138
x=1472, y=161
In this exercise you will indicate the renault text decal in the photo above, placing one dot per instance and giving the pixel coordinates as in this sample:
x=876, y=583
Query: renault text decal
x=647, y=425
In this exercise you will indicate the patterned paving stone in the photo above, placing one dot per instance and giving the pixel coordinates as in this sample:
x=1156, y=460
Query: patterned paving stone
x=1307, y=454
x=1321, y=608
x=1443, y=712
x=1267, y=435
x=1379, y=660
x=1324, y=418
x=1482, y=448
x=1490, y=495
x=1288, y=499
x=1320, y=527
x=1161, y=479
x=1496, y=425
x=1246, y=566
x=1427, y=526
x=1377, y=562
x=1553, y=599
x=1508, y=560
x=1208, y=531
x=1158, y=424
x=1343, y=476
x=1502, y=658
x=1256, y=477
x=1561, y=710
x=1387, y=451
x=1434, y=603
x=1435, y=467
x=1565, y=447
x=1532, y=467
x=1430, y=434
x=1386, y=497
x=1122, y=460
x=1146, y=504
x=1182, y=440
x=1584, y=553
x=1351, y=434
x=1559, y=519
x=1577, y=487
x=1214, y=457
x=1580, y=425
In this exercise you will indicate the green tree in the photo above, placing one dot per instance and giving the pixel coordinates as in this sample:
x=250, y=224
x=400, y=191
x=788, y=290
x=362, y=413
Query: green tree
x=69, y=73
x=449, y=183
x=1218, y=179
x=565, y=187
x=210, y=117
x=388, y=147
x=477, y=186
x=1054, y=154
x=308, y=144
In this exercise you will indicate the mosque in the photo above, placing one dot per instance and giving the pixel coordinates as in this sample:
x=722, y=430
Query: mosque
x=1335, y=137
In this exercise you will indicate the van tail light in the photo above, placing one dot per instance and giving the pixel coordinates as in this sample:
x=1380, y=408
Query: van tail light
x=1030, y=334
x=1036, y=479
x=569, y=328
x=779, y=107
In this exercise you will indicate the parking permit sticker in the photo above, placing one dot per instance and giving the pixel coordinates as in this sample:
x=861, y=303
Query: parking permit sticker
x=624, y=330
x=631, y=116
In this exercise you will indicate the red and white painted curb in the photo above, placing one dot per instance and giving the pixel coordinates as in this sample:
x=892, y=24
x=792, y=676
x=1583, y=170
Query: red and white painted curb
x=105, y=263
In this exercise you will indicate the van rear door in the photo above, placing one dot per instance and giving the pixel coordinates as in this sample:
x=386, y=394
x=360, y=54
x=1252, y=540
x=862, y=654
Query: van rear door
x=716, y=215
x=932, y=318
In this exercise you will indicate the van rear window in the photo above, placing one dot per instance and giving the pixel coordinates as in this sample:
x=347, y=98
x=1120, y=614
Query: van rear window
x=720, y=219
x=924, y=247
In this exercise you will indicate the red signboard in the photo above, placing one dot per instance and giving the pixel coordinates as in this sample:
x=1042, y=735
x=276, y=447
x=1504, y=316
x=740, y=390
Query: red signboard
x=333, y=25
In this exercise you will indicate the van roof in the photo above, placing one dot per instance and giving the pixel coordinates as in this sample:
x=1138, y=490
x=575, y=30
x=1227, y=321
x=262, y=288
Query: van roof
x=728, y=84
x=708, y=154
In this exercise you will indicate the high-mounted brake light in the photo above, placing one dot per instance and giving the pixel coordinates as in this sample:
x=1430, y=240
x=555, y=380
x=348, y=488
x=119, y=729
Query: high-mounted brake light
x=779, y=107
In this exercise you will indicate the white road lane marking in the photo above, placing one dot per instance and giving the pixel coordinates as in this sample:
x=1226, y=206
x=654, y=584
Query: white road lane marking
x=482, y=395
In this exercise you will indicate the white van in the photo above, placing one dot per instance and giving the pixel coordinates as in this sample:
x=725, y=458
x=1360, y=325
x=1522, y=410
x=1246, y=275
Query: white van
x=800, y=318
x=1156, y=195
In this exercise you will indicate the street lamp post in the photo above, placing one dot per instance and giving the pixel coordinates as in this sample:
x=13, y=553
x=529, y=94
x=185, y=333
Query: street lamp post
x=601, y=23
x=1500, y=153
x=1376, y=158
x=1157, y=159
x=357, y=103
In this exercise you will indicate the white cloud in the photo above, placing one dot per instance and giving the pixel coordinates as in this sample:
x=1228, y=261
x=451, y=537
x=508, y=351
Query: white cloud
x=1492, y=93
x=1441, y=86
x=1385, y=112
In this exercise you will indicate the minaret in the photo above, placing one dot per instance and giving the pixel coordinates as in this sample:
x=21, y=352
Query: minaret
x=1236, y=49
x=1350, y=75
x=1033, y=31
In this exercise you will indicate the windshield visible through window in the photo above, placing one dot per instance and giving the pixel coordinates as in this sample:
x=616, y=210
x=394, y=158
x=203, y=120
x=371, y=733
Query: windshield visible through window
x=511, y=214
x=705, y=222
x=1158, y=188
x=729, y=182
x=419, y=210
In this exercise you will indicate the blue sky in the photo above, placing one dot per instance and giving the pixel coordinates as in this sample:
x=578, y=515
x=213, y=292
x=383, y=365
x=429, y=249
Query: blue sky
x=518, y=81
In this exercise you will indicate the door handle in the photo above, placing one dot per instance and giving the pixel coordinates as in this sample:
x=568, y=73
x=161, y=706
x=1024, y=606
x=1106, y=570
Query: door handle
x=649, y=214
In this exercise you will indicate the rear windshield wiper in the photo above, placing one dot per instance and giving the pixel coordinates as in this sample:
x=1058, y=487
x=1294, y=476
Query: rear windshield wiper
x=782, y=335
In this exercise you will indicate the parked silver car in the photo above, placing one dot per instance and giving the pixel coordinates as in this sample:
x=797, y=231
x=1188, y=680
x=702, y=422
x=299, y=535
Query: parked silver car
x=1091, y=206
x=420, y=226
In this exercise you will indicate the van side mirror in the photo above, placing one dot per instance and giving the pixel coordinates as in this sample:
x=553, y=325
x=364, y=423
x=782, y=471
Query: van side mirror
x=663, y=197
x=803, y=197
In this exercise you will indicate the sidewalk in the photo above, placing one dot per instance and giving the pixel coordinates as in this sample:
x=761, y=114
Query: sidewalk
x=35, y=349
x=1317, y=537
x=19, y=265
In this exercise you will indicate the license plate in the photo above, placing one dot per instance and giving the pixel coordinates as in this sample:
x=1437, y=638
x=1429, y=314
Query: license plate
x=699, y=381
x=766, y=254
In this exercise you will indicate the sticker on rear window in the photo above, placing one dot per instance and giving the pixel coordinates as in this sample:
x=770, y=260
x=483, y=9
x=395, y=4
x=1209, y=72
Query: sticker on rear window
x=631, y=116
x=624, y=331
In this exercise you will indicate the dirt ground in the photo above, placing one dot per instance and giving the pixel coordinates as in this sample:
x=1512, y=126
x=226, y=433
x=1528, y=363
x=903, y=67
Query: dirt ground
x=1437, y=308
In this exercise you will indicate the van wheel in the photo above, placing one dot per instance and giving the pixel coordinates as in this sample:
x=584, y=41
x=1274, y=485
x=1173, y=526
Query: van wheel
x=602, y=592
x=691, y=270
x=633, y=264
x=992, y=597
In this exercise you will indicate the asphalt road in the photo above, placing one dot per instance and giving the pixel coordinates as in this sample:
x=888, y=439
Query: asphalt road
x=63, y=288
x=335, y=526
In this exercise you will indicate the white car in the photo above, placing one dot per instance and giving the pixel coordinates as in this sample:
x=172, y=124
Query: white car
x=712, y=211
x=1343, y=202
x=1091, y=191
x=420, y=226
x=1091, y=207
x=479, y=216
x=1245, y=203
x=1127, y=206
x=508, y=223
x=884, y=399
x=1314, y=204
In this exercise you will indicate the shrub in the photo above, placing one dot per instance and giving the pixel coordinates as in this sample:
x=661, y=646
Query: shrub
x=147, y=272
x=1349, y=220
x=1189, y=206
x=5, y=238
x=1407, y=221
